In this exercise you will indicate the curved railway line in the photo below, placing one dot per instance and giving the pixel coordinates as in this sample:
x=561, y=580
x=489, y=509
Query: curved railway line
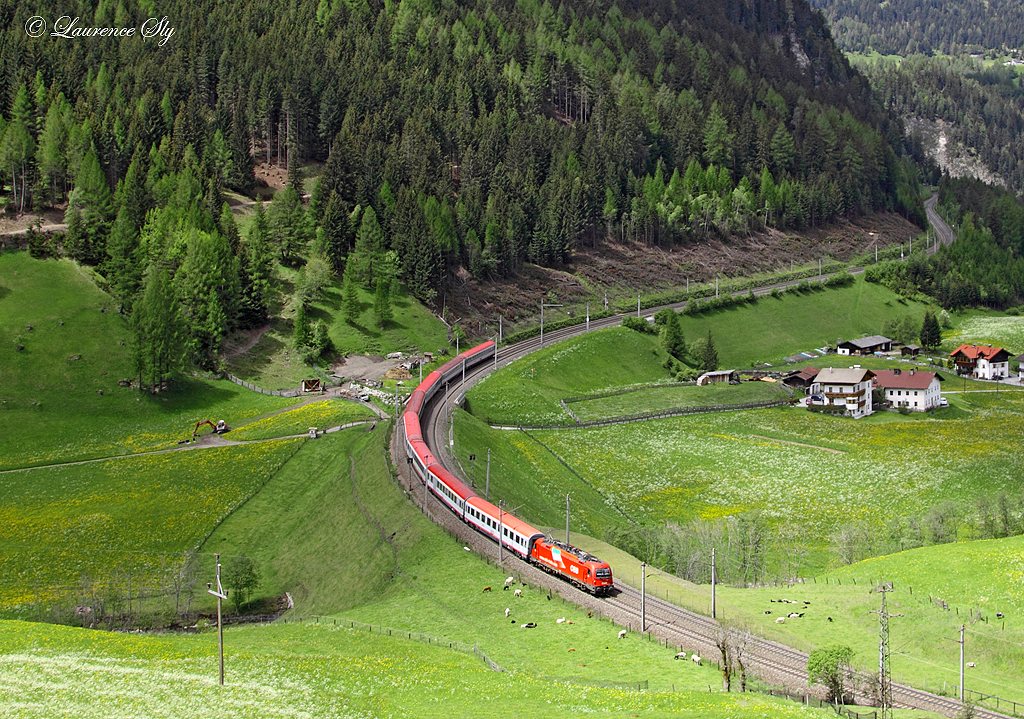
x=770, y=661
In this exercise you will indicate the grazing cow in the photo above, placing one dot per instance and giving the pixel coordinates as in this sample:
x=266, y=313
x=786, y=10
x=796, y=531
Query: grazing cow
x=507, y=612
x=622, y=634
x=780, y=620
x=680, y=655
x=767, y=611
x=517, y=593
x=560, y=621
x=487, y=589
x=970, y=664
x=830, y=619
x=529, y=625
x=508, y=582
x=696, y=659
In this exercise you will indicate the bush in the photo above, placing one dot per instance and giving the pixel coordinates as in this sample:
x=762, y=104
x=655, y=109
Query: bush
x=775, y=293
x=639, y=324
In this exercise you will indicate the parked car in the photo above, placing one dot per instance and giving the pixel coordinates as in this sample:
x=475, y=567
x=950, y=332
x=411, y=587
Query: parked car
x=943, y=402
x=817, y=399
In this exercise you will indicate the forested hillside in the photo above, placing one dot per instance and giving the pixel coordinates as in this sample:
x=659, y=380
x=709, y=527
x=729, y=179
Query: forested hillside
x=982, y=106
x=906, y=27
x=457, y=138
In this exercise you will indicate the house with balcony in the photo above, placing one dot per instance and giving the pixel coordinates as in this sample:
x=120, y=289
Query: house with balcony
x=847, y=388
x=909, y=389
x=865, y=346
x=981, y=361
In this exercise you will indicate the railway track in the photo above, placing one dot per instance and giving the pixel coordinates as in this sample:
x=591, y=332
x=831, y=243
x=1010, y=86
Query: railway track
x=772, y=662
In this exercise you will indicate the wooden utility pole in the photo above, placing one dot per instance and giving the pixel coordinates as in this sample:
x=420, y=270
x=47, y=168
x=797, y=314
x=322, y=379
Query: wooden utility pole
x=220, y=594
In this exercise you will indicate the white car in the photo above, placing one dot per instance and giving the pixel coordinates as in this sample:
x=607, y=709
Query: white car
x=943, y=402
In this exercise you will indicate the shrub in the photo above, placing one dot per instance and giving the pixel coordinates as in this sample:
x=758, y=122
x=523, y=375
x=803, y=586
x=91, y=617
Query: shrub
x=639, y=324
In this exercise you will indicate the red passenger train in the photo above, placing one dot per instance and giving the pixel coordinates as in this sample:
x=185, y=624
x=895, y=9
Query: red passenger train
x=581, y=569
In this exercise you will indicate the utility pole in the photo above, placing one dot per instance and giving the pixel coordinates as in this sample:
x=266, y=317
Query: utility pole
x=221, y=594
x=606, y=300
x=487, y=486
x=542, y=306
x=716, y=285
x=567, y=519
x=501, y=529
x=472, y=471
x=961, y=663
x=499, y=329
x=638, y=304
x=713, y=578
x=884, y=667
x=819, y=269
x=643, y=597
x=588, y=317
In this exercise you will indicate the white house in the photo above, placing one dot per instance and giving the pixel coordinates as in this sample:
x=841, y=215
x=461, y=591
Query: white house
x=917, y=391
x=849, y=388
x=1020, y=369
x=982, y=361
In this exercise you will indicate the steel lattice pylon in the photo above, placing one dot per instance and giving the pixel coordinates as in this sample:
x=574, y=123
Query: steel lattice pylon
x=884, y=669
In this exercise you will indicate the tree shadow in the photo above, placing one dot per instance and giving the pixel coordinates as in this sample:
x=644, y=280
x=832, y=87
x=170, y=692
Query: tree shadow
x=261, y=356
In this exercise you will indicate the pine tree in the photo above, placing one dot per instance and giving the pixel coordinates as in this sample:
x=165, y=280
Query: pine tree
x=350, y=299
x=706, y=354
x=672, y=336
x=157, y=332
x=302, y=334
x=931, y=333
x=382, y=301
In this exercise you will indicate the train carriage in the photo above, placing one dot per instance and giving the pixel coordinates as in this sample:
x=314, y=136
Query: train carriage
x=449, y=489
x=516, y=534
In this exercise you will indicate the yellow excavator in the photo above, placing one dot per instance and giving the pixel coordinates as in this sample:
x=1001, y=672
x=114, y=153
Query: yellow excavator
x=220, y=428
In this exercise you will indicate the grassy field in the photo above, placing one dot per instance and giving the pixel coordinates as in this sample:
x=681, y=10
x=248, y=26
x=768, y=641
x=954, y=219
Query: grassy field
x=51, y=409
x=529, y=390
x=986, y=574
x=88, y=529
x=1001, y=331
x=303, y=670
x=652, y=400
x=273, y=363
x=322, y=415
x=774, y=328
x=924, y=655
x=808, y=470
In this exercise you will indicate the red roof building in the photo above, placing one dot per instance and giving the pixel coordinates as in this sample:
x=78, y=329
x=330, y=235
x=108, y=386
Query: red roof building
x=917, y=391
x=982, y=361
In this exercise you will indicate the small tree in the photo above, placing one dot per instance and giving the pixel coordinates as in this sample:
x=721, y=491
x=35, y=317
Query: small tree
x=829, y=666
x=705, y=353
x=350, y=301
x=242, y=576
x=672, y=336
x=931, y=333
x=302, y=328
x=382, y=301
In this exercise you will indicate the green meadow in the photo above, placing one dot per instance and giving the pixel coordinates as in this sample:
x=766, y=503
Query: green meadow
x=51, y=406
x=302, y=670
x=839, y=606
